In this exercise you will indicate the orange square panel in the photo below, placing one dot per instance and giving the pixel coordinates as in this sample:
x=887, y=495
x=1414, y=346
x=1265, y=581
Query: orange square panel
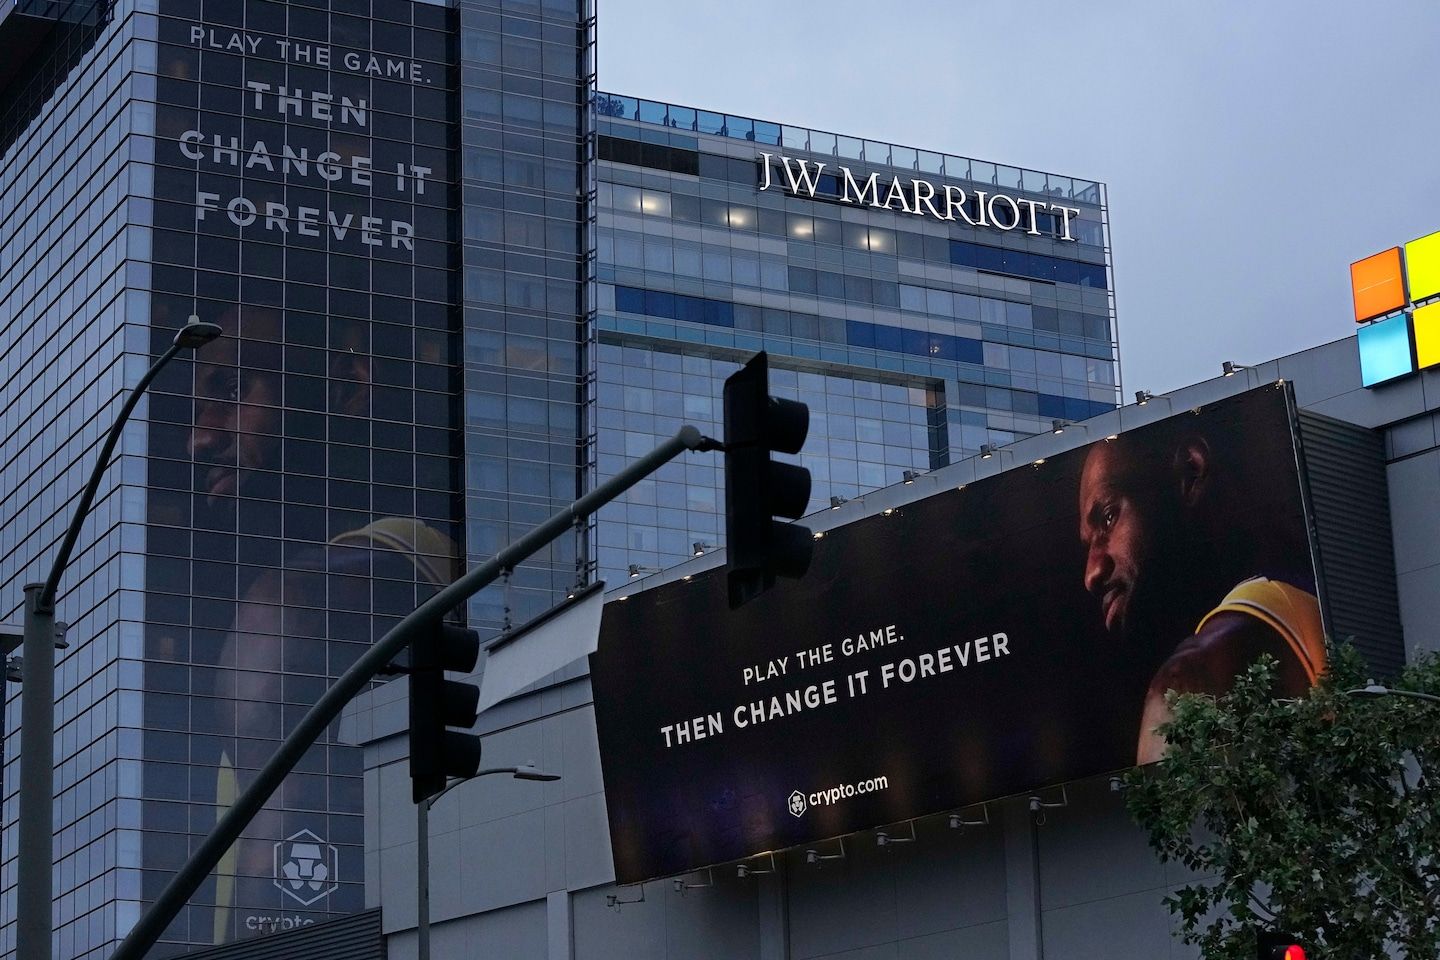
x=1378, y=285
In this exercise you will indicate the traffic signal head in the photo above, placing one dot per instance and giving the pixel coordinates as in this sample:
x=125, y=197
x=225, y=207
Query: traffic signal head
x=1278, y=946
x=436, y=703
x=757, y=489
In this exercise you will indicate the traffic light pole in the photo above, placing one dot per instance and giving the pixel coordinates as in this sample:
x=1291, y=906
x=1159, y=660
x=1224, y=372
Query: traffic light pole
x=422, y=878
x=225, y=832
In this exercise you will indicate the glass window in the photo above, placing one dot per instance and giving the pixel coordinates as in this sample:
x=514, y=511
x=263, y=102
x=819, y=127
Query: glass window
x=741, y=128
x=768, y=133
x=707, y=122
x=682, y=118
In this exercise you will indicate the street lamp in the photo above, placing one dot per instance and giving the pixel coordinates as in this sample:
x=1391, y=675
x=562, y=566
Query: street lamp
x=526, y=771
x=36, y=864
x=1373, y=689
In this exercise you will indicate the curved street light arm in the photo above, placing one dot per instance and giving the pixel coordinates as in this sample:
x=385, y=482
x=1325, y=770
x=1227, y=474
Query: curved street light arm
x=46, y=600
x=35, y=866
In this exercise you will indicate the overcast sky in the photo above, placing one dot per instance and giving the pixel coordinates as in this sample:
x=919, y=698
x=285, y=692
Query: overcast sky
x=1251, y=150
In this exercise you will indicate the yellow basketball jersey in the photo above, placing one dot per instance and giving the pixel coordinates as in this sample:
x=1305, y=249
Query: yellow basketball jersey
x=1288, y=610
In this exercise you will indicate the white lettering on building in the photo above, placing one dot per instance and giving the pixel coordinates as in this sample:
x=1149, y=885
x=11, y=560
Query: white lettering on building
x=920, y=198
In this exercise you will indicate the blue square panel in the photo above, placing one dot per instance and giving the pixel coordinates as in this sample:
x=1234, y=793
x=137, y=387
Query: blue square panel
x=1385, y=350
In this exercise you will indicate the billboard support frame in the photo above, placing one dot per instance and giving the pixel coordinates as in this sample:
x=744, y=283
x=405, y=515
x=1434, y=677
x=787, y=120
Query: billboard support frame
x=1312, y=529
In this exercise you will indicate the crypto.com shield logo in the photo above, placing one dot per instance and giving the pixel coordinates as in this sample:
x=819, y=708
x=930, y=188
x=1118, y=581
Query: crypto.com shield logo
x=796, y=803
x=306, y=867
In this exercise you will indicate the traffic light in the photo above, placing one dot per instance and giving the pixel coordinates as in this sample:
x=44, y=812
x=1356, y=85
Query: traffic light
x=436, y=703
x=1278, y=946
x=758, y=547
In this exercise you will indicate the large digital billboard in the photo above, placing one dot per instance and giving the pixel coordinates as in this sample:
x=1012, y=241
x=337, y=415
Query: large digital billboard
x=303, y=470
x=1014, y=633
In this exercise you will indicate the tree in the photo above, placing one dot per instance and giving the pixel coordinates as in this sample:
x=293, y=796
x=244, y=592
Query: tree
x=1317, y=817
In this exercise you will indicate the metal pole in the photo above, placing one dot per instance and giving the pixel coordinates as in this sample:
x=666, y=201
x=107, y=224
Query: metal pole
x=35, y=868
x=422, y=879
x=37, y=780
x=422, y=854
x=225, y=832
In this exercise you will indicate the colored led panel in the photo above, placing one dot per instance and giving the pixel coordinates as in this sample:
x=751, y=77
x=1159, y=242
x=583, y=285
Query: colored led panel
x=1422, y=266
x=1378, y=285
x=1426, y=322
x=1385, y=350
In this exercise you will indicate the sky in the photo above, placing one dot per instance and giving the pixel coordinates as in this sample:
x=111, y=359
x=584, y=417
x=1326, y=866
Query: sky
x=1251, y=150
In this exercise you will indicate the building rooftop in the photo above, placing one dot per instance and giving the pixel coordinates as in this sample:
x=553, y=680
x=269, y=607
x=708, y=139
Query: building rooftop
x=680, y=118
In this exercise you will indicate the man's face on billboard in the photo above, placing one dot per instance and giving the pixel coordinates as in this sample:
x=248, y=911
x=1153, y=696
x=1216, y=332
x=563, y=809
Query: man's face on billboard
x=236, y=421
x=1118, y=527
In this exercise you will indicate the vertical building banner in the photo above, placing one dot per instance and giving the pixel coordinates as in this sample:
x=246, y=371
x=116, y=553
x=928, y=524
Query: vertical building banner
x=303, y=470
x=1018, y=632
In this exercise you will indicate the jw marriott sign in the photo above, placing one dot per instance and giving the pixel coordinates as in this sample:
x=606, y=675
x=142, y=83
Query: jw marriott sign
x=921, y=198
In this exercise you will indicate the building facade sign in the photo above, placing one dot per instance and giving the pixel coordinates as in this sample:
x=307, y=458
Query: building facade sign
x=1396, y=293
x=1012, y=634
x=303, y=469
x=913, y=195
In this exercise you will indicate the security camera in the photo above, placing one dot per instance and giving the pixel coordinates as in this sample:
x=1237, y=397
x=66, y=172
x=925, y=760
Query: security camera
x=812, y=856
x=742, y=871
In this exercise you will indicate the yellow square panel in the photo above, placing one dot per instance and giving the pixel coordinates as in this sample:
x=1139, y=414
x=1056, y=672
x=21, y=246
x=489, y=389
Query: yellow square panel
x=1427, y=335
x=1422, y=266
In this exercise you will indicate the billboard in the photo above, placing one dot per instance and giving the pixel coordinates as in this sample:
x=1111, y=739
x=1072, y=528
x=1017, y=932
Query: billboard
x=303, y=470
x=989, y=640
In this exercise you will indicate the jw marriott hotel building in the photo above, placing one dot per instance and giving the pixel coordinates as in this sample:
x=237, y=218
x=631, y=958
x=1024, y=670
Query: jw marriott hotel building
x=459, y=287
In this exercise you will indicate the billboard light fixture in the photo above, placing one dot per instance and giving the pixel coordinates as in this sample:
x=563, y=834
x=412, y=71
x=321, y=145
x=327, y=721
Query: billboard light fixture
x=888, y=511
x=957, y=822
x=700, y=546
x=681, y=884
x=1113, y=436
x=884, y=838
x=1058, y=427
x=1143, y=397
x=987, y=450
x=1037, y=461
x=814, y=857
x=909, y=476
x=743, y=870
x=818, y=535
x=836, y=502
x=640, y=570
x=1229, y=368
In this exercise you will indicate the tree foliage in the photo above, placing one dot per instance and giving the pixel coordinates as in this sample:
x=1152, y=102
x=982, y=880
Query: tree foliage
x=1317, y=817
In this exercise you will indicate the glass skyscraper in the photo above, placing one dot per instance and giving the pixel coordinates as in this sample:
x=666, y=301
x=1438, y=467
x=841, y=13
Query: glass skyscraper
x=459, y=287
x=914, y=339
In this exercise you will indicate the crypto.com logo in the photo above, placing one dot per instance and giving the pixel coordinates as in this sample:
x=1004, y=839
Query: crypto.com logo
x=306, y=867
x=796, y=804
